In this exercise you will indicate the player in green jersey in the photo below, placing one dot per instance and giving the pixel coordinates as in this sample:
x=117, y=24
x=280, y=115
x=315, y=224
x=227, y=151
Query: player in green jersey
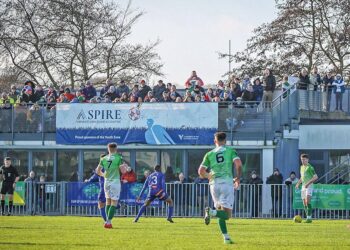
x=307, y=177
x=217, y=167
x=111, y=164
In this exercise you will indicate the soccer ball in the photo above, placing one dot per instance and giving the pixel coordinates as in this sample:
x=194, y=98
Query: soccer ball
x=297, y=219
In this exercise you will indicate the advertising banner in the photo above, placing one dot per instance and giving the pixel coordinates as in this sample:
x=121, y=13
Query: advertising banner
x=332, y=197
x=148, y=123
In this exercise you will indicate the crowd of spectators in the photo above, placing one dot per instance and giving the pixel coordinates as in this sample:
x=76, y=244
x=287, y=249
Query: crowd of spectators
x=235, y=89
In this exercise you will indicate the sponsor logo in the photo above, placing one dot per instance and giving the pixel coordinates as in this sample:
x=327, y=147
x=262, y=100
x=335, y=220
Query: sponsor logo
x=105, y=114
x=181, y=137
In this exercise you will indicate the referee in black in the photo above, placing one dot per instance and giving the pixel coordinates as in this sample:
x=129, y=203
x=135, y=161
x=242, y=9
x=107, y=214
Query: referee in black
x=10, y=177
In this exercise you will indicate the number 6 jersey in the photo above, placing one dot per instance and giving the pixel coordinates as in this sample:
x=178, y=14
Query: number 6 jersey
x=219, y=162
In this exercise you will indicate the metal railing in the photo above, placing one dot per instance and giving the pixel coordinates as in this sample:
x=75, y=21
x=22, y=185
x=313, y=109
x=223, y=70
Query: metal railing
x=337, y=173
x=190, y=199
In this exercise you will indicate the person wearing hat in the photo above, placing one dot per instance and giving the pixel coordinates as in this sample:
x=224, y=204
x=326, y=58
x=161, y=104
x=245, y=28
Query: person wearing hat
x=89, y=91
x=276, y=179
x=10, y=177
x=144, y=89
x=339, y=90
x=256, y=193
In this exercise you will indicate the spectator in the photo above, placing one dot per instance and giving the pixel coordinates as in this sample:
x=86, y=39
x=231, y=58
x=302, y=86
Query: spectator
x=30, y=185
x=304, y=80
x=258, y=89
x=144, y=89
x=169, y=175
x=236, y=90
x=89, y=91
x=28, y=95
x=80, y=96
x=315, y=79
x=124, y=97
x=67, y=93
x=193, y=80
x=61, y=90
x=209, y=95
x=146, y=173
x=256, y=193
x=123, y=88
x=51, y=92
x=291, y=180
x=111, y=93
x=165, y=97
x=134, y=91
x=202, y=192
x=73, y=177
x=285, y=86
x=148, y=97
x=62, y=99
x=42, y=195
x=173, y=93
x=188, y=96
x=178, y=99
x=14, y=93
x=270, y=85
x=6, y=101
x=328, y=80
x=220, y=87
x=133, y=99
x=197, y=90
x=158, y=90
x=39, y=91
x=30, y=83
x=181, y=195
x=245, y=82
x=31, y=177
x=339, y=90
x=249, y=95
x=168, y=86
x=129, y=176
x=105, y=88
x=276, y=192
x=226, y=97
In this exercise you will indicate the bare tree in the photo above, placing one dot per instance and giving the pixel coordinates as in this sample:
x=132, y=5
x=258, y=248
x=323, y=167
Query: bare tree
x=55, y=41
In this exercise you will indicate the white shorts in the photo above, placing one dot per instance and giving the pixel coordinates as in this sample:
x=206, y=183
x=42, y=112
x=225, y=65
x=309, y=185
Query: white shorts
x=112, y=190
x=223, y=194
x=305, y=192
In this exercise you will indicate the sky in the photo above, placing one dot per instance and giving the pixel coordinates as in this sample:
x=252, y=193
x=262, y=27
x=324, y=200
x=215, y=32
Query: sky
x=191, y=32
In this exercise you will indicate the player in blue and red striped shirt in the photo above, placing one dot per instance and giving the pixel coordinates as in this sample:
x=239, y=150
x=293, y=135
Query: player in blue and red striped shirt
x=156, y=190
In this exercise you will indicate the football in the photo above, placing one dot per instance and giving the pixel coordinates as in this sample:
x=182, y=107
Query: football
x=297, y=219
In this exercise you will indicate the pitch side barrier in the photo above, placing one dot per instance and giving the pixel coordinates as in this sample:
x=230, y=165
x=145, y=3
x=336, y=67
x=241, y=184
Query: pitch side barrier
x=190, y=199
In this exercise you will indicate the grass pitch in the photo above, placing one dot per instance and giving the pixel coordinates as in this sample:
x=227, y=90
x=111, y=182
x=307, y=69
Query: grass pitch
x=65, y=232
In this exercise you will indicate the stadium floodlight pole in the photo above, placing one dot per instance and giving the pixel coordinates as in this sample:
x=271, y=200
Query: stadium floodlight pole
x=230, y=58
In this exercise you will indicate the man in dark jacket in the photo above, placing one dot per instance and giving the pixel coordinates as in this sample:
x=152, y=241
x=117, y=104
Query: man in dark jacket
x=270, y=85
x=158, y=90
x=328, y=80
x=276, y=192
x=143, y=89
x=256, y=192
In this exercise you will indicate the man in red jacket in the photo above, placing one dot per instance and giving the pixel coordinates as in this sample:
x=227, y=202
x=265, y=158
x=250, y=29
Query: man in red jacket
x=193, y=80
x=129, y=176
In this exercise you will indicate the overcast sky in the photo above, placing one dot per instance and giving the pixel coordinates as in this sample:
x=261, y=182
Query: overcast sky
x=192, y=31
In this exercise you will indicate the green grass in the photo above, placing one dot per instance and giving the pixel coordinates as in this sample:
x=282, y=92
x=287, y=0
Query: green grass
x=156, y=233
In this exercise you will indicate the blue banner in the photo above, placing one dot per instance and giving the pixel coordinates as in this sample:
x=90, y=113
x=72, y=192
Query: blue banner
x=149, y=123
x=86, y=194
